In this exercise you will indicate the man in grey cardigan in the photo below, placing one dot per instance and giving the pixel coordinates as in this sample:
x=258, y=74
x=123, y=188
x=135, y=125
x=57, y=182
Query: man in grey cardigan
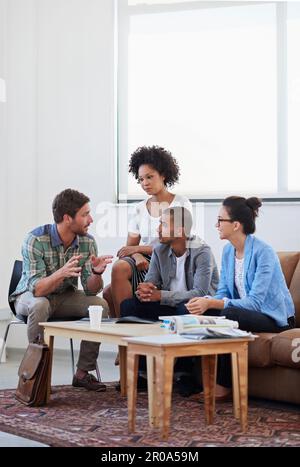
x=181, y=267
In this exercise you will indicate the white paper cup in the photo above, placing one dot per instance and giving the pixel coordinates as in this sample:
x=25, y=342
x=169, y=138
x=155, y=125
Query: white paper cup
x=95, y=313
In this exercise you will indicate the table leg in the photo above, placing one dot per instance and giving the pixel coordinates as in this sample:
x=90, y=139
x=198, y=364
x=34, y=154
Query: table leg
x=49, y=340
x=153, y=420
x=235, y=385
x=132, y=372
x=164, y=379
x=242, y=358
x=209, y=368
x=123, y=369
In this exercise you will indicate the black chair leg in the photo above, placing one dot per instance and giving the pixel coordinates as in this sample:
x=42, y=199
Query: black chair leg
x=72, y=356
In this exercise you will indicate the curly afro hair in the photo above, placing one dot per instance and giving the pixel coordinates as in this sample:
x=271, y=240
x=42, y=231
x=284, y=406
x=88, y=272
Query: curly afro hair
x=159, y=158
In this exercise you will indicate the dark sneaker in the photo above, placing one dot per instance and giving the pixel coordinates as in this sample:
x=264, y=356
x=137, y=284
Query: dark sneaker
x=185, y=386
x=89, y=382
x=142, y=384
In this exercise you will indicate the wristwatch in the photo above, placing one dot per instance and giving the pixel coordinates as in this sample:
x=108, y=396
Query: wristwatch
x=97, y=273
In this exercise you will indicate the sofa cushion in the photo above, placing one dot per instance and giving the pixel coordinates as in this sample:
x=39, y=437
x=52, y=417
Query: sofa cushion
x=278, y=383
x=260, y=350
x=285, y=348
x=295, y=292
x=288, y=261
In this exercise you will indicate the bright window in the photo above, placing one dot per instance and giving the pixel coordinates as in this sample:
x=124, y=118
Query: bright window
x=202, y=81
x=293, y=66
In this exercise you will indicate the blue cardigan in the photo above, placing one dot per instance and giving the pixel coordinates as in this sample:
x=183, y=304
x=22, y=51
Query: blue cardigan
x=265, y=286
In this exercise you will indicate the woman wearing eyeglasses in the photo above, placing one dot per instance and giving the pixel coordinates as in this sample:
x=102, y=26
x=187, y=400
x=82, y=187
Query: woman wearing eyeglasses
x=252, y=288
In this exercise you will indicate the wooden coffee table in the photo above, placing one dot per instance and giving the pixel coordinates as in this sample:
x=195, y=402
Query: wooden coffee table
x=161, y=350
x=108, y=332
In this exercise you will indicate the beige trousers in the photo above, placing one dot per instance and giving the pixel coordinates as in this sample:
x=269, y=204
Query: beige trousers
x=70, y=304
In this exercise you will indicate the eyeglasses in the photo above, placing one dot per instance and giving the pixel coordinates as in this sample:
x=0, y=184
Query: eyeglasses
x=219, y=220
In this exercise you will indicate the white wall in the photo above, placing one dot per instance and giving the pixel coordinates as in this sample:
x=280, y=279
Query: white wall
x=57, y=126
x=3, y=158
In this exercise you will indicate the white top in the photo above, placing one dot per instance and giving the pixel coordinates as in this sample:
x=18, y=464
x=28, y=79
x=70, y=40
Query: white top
x=141, y=223
x=179, y=282
x=239, y=277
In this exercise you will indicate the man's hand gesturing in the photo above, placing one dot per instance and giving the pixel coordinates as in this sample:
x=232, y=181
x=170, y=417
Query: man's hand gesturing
x=99, y=263
x=71, y=268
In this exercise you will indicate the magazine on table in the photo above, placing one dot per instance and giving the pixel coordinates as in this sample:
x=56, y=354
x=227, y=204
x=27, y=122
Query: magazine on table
x=199, y=327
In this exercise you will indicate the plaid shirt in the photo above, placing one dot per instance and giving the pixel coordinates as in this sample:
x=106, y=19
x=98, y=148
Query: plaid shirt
x=43, y=254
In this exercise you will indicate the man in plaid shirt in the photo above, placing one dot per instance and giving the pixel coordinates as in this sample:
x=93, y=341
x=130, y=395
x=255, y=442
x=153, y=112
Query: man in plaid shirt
x=54, y=256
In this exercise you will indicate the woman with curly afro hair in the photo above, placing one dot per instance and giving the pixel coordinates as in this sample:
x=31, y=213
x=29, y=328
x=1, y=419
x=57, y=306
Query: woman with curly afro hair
x=155, y=169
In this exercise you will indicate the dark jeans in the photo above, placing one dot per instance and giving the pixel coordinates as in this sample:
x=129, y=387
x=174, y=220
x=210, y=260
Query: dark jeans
x=249, y=320
x=150, y=310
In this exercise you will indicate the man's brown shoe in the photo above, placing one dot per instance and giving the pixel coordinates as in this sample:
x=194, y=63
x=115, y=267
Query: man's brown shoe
x=88, y=382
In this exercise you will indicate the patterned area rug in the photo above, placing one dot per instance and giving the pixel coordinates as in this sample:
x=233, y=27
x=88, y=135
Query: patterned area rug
x=76, y=417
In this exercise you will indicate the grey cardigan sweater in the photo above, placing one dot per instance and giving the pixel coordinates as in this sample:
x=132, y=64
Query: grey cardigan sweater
x=201, y=272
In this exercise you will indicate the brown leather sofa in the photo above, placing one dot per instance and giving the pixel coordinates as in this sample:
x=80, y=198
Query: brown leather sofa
x=274, y=359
